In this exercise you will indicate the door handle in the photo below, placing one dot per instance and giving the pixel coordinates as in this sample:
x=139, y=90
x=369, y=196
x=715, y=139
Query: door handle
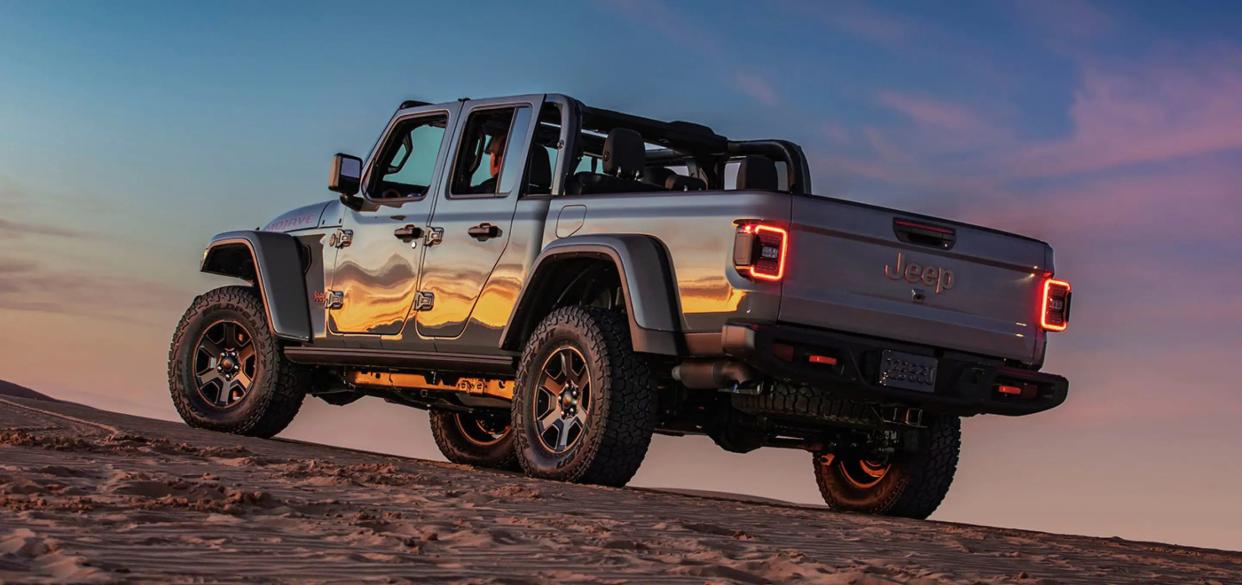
x=408, y=233
x=484, y=231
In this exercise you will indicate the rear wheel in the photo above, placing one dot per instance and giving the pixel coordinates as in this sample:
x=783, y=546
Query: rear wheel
x=906, y=484
x=584, y=408
x=470, y=439
x=226, y=371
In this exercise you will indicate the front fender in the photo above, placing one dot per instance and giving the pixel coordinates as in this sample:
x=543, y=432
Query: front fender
x=646, y=283
x=274, y=263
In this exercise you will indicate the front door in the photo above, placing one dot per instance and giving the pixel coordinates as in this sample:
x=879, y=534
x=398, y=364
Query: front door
x=381, y=244
x=475, y=212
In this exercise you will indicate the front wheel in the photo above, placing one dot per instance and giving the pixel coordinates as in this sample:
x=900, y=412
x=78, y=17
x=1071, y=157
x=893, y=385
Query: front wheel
x=584, y=408
x=474, y=439
x=226, y=371
x=906, y=484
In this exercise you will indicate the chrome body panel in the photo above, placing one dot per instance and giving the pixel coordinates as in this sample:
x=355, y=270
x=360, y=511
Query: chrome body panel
x=458, y=268
x=843, y=275
x=696, y=230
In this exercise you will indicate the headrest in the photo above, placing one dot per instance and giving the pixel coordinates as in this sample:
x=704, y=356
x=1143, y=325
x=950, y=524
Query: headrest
x=624, y=153
x=656, y=175
x=680, y=183
x=757, y=173
x=539, y=170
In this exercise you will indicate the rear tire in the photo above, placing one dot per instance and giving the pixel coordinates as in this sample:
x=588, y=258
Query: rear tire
x=909, y=484
x=473, y=440
x=226, y=371
x=585, y=405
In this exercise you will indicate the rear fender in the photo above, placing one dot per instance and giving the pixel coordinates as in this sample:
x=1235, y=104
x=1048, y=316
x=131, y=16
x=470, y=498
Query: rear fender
x=274, y=262
x=646, y=284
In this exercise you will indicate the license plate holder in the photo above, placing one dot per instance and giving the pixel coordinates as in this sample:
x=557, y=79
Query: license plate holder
x=908, y=371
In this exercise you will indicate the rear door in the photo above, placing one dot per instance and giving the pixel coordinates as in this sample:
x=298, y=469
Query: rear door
x=881, y=272
x=473, y=215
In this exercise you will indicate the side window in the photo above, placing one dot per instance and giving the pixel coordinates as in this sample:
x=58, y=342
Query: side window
x=489, y=151
x=408, y=161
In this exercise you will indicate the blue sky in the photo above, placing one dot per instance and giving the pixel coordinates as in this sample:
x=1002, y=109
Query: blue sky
x=130, y=132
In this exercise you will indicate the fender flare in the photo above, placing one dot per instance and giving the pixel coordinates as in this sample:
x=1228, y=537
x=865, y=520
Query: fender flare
x=646, y=284
x=274, y=263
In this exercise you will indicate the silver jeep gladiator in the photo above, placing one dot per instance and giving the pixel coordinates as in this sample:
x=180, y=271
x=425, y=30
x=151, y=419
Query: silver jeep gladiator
x=556, y=282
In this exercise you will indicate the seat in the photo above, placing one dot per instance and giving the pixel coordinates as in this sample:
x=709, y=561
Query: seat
x=657, y=175
x=680, y=183
x=624, y=158
x=757, y=173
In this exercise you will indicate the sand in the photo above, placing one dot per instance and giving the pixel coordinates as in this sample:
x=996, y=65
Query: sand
x=96, y=497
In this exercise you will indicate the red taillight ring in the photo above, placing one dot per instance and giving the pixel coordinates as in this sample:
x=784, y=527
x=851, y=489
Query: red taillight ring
x=1043, y=314
x=780, y=264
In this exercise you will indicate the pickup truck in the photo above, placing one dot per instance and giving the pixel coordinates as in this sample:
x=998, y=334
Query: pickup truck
x=555, y=283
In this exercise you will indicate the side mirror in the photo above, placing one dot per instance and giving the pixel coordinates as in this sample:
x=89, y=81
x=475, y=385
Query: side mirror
x=345, y=177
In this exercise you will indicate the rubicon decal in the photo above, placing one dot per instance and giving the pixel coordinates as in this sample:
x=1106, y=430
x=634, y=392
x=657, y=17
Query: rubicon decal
x=933, y=276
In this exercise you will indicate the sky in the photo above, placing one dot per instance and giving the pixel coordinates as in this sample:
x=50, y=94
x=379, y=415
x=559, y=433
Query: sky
x=130, y=132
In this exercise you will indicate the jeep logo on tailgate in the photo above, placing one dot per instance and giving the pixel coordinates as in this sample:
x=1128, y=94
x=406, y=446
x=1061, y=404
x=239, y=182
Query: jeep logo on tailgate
x=941, y=278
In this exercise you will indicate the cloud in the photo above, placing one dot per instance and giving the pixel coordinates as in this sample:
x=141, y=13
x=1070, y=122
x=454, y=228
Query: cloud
x=859, y=20
x=691, y=36
x=1072, y=20
x=16, y=229
x=934, y=114
x=1146, y=113
x=757, y=87
x=30, y=286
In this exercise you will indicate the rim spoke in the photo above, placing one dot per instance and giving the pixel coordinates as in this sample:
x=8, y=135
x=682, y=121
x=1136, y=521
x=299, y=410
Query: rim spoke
x=245, y=353
x=211, y=348
x=552, y=387
x=582, y=379
x=550, y=418
x=222, y=395
x=579, y=419
x=566, y=365
x=208, y=377
x=228, y=332
x=562, y=434
x=242, y=379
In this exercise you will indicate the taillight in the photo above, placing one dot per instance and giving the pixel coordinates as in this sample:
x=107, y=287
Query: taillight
x=1056, y=305
x=760, y=251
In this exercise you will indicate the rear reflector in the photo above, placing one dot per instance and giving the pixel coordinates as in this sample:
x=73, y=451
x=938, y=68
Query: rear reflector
x=1025, y=391
x=760, y=251
x=1056, y=305
x=822, y=359
x=783, y=352
x=1012, y=390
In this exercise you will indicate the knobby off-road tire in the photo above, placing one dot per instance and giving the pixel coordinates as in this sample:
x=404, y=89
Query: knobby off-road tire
x=275, y=388
x=909, y=485
x=471, y=440
x=607, y=393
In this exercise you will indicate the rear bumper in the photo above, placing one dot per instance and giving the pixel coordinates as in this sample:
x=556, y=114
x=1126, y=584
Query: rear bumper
x=965, y=384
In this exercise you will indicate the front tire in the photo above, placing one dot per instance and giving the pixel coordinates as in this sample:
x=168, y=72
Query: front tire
x=585, y=404
x=474, y=440
x=226, y=371
x=908, y=484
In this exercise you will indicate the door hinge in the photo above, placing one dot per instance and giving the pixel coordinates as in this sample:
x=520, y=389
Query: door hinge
x=433, y=236
x=336, y=299
x=341, y=238
x=423, y=301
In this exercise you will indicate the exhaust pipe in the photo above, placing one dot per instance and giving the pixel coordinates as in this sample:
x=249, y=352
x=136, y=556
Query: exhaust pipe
x=713, y=375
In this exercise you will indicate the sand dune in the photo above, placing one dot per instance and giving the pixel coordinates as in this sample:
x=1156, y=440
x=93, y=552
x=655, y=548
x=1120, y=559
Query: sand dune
x=96, y=497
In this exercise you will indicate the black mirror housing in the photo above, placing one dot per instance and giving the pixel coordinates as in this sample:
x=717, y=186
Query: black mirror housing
x=345, y=176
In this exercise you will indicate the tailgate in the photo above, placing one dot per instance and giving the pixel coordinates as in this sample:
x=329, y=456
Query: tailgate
x=875, y=271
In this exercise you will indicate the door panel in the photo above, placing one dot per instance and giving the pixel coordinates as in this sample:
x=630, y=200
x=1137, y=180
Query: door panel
x=378, y=271
x=475, y=225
